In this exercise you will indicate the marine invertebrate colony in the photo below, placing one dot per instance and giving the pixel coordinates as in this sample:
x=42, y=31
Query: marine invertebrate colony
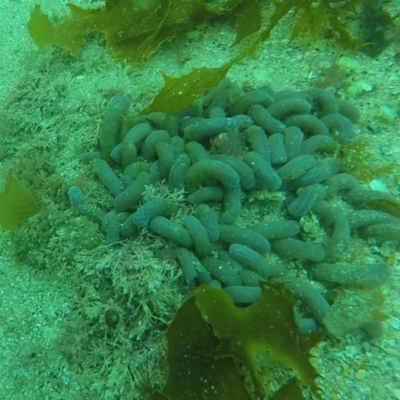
x=281, y=150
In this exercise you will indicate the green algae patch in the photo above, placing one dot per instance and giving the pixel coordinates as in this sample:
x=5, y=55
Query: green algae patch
x=130, y=28
x=364, y=163
x=68, y=35
x=338, y=19
x=134, y=29
x=315, y=18
x=193, y=369
x=17, y=204
x=179, y=92
x=248, y=20
x=210, y=336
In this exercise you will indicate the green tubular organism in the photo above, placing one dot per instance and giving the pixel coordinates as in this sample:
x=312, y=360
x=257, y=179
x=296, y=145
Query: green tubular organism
x=131, y=196
x=246, y=100
x=340, y=124
x=207, y=193
x=278, y=151
x=296, y=167
x=235, y=234
x=293, y=249
x=325, y=102
x=363, y=218
x=128, y=153
x=111, y=126
x=309, y=296
x=340, y=237
x=191, y=266
x=254, y=261
x=148, y=150
x=291, y=105
x=153, y=208
x=206, y=128
x=382, y=231
x=171, y=231
x=320, y=173
x=138, y=133
x=232, y=205
x=293, y=141
x=277, y=228
x=266, y=176
x=214, y=169
x=222, y=271
x=224, y=255
x=166, y=157
x=246, y=175
x=264, y=119
x=339, y=183
x=107, y=176
x=360, y=197
x=196, y=152
x=250, y=278
x=76, y=199
x=111, y=224
x=132, y=170
x=306, y=200
x=155, y=172
x=208, y=217
x=308, y=123
x=178, y=171
x=349, y=110
x=198, y=232
x=355, y=275
x=258, y=141
x=178, y=144
x=318, y=143
x=185, y=259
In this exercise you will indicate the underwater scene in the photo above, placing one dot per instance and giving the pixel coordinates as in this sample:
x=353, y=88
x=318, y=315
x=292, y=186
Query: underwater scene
x=200, y=199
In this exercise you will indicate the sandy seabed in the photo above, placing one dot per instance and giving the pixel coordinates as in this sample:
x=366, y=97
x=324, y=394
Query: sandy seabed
x=34, y=302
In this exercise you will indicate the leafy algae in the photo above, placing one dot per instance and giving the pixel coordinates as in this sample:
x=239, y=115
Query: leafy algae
x=17, y=204
x=209, y=336
x=179, y=92
x=134, y=30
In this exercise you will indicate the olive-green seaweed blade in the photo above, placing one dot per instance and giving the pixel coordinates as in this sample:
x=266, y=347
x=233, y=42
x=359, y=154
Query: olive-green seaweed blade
x=193, y=371
x=17, y=204
x=267, y=327
x=179, y=92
